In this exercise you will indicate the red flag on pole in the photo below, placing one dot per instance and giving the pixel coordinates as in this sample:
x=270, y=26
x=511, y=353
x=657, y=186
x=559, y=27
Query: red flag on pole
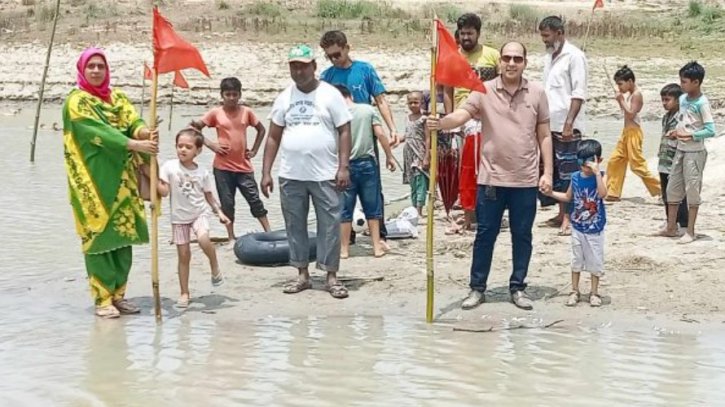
x=180, y=81
x=452, y=69
x=598, y=4
x=171, y=52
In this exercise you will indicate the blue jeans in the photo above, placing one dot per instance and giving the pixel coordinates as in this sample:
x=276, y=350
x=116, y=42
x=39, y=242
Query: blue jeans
x=364, y=183
x=491, y=203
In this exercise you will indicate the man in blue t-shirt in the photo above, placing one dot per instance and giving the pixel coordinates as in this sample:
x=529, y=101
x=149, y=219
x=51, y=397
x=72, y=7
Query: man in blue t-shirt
x=358, y=76
x=364, y=84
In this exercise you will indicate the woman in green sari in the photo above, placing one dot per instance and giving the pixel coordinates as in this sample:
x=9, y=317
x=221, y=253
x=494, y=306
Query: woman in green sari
x=104, y=140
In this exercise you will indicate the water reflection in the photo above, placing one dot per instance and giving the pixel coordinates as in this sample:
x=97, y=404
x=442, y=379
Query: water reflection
x=358, y=361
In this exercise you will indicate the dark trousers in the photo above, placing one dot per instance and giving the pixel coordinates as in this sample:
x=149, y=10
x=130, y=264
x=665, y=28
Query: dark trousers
x=682, y=212
x=491, y=203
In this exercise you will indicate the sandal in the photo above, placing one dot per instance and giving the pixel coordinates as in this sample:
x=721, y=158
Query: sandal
x=107, y=312
x=595, y=300
x=573, y=299
x=183, y=302
x=126, y=307
x=337, y=290
x=297, y=286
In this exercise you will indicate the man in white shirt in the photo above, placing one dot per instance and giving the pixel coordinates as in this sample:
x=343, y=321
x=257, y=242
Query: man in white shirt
x=565, y=81
x=310, y=123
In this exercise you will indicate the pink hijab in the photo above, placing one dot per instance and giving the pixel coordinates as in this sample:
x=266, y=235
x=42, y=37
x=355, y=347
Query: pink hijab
x=103, y=91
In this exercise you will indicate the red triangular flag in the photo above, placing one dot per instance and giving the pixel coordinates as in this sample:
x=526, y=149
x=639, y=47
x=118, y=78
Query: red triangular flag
x=180, y=81
x=452, y=69
x=147, y=75
x=598, y=4
x=171, y=52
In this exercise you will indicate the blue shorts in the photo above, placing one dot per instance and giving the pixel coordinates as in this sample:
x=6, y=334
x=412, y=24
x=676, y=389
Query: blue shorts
x=364, y=183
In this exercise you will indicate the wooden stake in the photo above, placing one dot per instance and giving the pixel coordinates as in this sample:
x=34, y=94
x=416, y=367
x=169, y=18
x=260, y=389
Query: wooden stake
x=155, y=205
x=42, y=82
x=430, y=273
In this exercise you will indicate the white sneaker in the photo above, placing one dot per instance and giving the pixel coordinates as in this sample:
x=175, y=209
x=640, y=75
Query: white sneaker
x=473, y=300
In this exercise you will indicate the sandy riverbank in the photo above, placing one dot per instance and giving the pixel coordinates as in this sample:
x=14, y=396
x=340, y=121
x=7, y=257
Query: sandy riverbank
x=401, y=69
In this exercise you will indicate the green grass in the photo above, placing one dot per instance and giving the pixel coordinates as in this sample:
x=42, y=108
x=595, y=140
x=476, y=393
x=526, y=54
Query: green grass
x=450, y=13
x=523, y=13
x=44, y=12
x=355, y=9
x=694, y=8
x=264, y=8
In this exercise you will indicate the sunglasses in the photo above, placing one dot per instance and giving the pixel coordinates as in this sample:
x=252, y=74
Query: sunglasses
x=335, y=55
x=517, y=59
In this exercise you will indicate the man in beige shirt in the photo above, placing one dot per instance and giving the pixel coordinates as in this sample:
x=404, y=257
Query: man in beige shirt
x=515, y=117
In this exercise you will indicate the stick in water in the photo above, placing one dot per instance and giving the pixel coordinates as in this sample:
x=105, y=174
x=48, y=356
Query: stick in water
x=42, y=82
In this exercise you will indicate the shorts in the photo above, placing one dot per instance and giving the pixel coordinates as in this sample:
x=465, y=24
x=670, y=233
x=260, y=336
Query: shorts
x=587, y=252
x=365, y=184
x=181, y=232
x=686, y=177
x=227, y=183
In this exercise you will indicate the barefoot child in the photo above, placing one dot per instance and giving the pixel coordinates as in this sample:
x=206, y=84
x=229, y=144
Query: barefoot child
x=588, y=218
x=416, y=153
x=695, y=124
x=190, y=188
x=629, y=147
x=366, y=126
x=232, y=166
x=670, y=95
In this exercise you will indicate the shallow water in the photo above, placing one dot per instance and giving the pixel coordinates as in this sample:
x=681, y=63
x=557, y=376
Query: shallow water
x=52, y=354
x=358, y=361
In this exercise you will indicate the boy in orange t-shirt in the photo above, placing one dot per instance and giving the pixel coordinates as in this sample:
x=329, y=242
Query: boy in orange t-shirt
x=232, y=166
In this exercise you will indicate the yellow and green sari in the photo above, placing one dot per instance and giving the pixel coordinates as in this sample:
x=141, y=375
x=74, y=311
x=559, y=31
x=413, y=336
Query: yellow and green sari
x=109, y=213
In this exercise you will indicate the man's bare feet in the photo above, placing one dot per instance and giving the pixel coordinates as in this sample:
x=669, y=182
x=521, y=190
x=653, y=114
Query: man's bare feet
x=379, y=252
x=344, y=254
x=687, y=238
x=384, y=245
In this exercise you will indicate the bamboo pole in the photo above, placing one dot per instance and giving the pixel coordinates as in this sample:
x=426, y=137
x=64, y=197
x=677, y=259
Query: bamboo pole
x=42, y=82
x=432, y=179
x=155, y=205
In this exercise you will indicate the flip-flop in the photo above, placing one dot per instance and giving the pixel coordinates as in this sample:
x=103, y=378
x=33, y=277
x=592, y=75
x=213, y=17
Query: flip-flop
x=297, y=286
x=107, y=312
x=553, y=222
x=337, y=290
x=183, y=302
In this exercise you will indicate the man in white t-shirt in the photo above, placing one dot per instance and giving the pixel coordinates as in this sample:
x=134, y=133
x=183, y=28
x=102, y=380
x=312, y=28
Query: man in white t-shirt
x=310, y=123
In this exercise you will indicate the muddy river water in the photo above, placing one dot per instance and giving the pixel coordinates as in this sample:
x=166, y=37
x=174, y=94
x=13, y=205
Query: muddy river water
x=52, y=353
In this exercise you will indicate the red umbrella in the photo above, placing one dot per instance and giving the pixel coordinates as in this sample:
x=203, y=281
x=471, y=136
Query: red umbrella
x=447, y=171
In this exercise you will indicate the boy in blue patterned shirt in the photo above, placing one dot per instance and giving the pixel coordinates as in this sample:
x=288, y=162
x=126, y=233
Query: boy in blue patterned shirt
x=586, y=193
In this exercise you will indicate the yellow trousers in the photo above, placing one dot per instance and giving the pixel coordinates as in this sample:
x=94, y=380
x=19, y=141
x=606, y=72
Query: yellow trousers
x=629, y=151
